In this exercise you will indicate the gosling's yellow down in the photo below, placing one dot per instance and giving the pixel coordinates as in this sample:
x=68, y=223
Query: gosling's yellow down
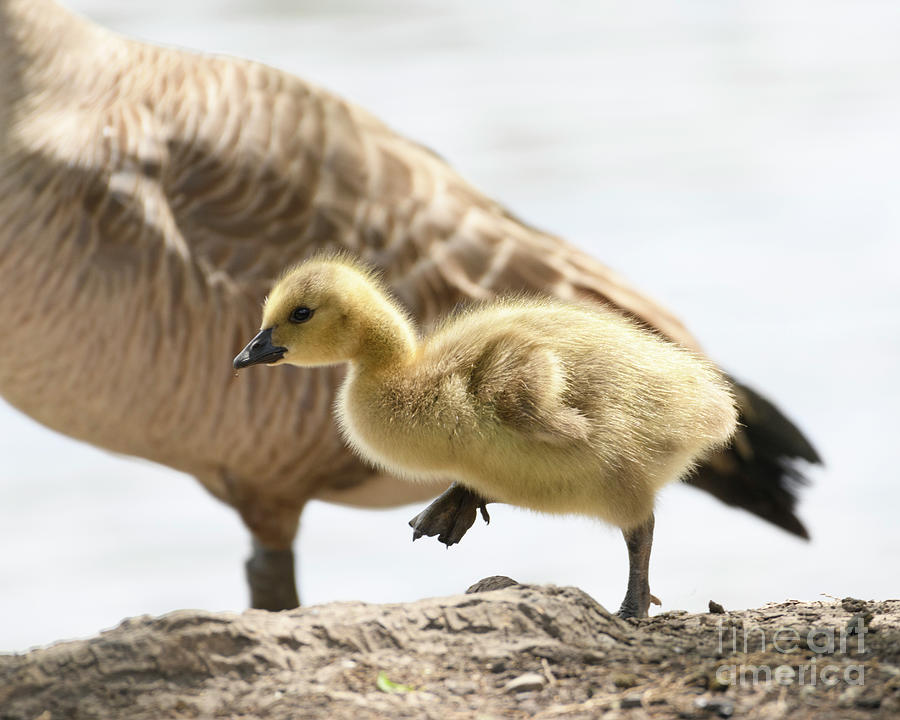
x=551, y=406
x=149, y=198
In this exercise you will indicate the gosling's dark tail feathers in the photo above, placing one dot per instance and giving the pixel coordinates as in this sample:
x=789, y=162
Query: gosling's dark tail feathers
x=758, y=471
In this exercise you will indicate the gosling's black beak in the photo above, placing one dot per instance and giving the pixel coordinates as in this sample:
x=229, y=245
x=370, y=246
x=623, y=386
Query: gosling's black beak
x=259, y=350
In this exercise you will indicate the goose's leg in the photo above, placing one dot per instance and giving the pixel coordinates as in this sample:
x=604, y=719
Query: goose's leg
x=273, y=527
x=637, y=597
x=270, y=574
x=450, y=515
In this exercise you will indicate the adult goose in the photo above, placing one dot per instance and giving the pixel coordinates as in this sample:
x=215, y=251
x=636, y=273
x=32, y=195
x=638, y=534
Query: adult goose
x=148, y=199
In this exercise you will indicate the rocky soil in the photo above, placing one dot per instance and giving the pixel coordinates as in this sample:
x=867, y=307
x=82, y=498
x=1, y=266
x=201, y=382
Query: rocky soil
x=517, y=652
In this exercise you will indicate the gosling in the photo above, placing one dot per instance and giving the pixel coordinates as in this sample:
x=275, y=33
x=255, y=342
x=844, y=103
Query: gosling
x=555, y=407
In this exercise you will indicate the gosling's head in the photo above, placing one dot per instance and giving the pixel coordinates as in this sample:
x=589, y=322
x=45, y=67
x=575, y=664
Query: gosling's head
x=323, y=312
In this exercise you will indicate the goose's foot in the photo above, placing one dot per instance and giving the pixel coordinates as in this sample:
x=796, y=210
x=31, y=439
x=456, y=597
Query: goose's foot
x=450, y=515
x=638, y=597
x=270, y=574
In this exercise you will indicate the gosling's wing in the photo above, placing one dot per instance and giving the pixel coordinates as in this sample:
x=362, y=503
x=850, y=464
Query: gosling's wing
x=523, y=385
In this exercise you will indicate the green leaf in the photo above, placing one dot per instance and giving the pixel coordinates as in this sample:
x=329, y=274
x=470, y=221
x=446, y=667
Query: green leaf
x=389, y=686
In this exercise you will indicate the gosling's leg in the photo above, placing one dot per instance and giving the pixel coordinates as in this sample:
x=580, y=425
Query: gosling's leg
x=637, y=597
x=270, y=574
x=450, y=515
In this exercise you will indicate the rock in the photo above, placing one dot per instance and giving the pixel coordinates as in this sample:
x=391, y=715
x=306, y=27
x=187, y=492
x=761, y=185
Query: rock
x=714, y=607
x=854, y=605
x=454, y=658
x=722, y=708
x=494, y=582
x=848, y=697
x=625, y=680
x=460, y=687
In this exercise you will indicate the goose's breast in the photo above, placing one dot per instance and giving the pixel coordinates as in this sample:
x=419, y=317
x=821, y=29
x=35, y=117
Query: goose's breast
x=135, y=357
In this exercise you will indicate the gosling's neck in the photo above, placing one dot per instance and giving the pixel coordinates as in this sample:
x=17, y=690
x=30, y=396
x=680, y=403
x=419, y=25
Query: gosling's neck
x=387, y=340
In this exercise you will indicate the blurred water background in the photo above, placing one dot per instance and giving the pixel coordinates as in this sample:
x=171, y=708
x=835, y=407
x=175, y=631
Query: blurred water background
x=740, y=161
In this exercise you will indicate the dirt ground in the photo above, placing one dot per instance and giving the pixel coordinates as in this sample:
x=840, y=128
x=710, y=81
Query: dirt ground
x=518, y=652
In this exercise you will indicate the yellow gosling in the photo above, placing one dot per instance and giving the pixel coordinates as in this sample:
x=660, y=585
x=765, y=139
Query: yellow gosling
x=561, y=408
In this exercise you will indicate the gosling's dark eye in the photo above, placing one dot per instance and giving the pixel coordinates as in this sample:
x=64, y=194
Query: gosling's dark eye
x=301, y=314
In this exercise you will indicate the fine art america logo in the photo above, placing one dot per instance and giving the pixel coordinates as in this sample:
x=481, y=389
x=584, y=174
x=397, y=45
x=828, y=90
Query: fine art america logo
x=825, y=643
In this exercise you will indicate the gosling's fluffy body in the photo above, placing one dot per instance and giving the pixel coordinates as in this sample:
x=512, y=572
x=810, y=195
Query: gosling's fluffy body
x=534, y=402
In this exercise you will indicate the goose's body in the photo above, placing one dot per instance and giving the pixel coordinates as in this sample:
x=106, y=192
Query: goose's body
x=550, y=406
x=150, y=196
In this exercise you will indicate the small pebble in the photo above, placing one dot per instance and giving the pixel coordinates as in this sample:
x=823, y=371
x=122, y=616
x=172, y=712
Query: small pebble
x=848, y=697
x=625, y=680
x=632, y=700
x=854, y=605
x=722, y=708
x=870, y=702
x=714, y=607
x=494, y=582
x=593, y=658
x=460, y=687
x=525, y=683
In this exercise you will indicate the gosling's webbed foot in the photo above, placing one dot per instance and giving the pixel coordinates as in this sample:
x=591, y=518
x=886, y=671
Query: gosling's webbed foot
x=450, y=515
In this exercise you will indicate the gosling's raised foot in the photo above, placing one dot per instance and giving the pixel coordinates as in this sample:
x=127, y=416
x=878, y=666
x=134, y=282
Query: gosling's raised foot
x=270, y=574
x=450, y=515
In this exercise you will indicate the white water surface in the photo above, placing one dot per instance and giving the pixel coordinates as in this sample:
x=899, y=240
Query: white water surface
x=739, y=161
